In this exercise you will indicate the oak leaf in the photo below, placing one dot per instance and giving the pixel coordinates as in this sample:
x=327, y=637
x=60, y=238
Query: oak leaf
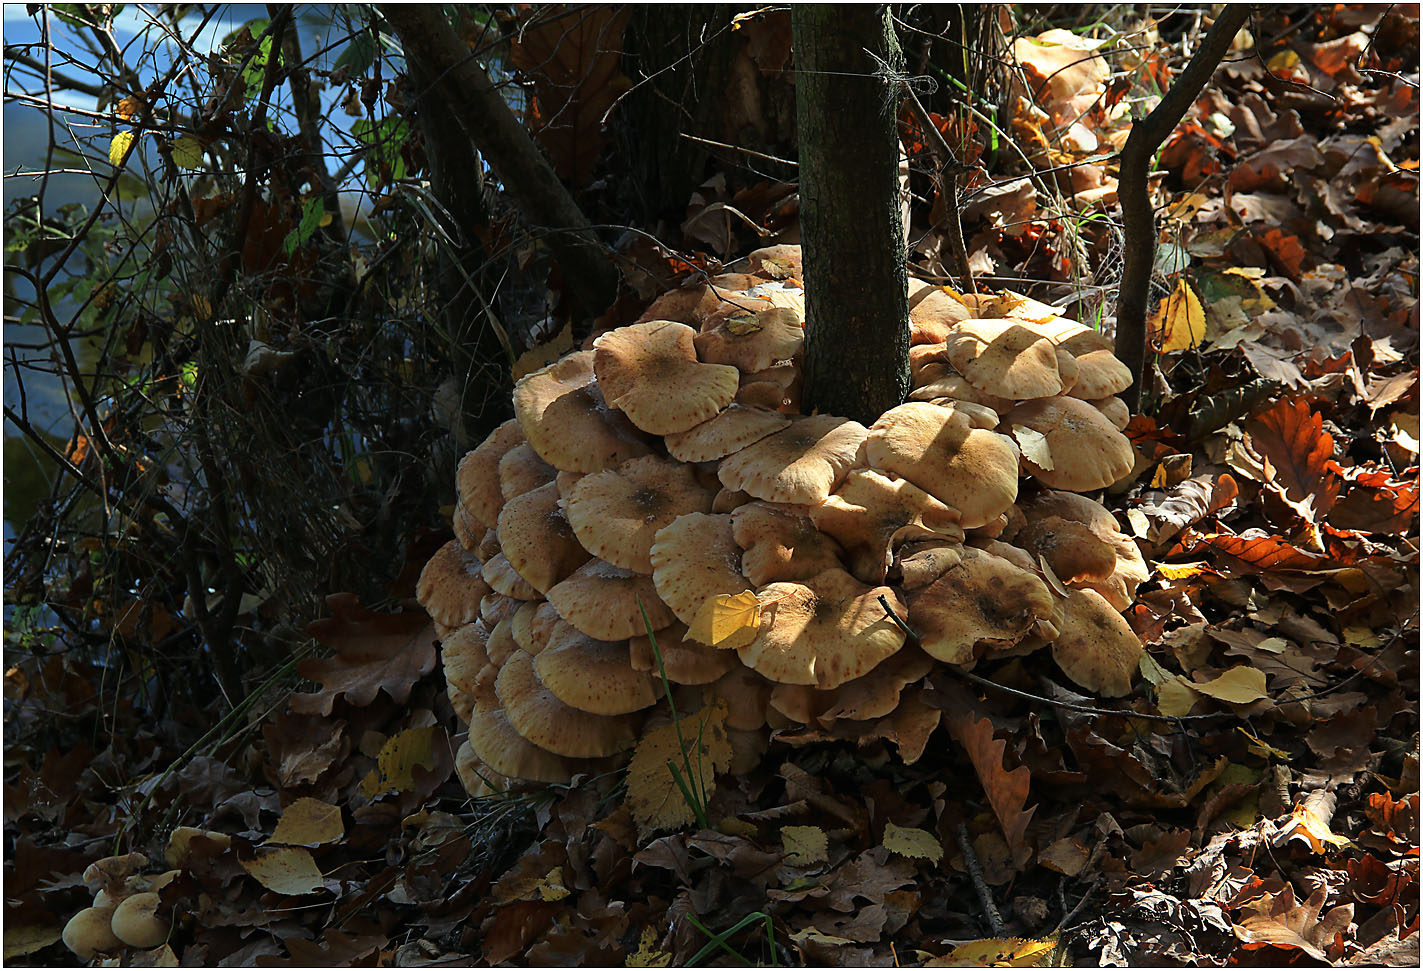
x=1007, y=791
x=1300, y=453
x=374, y=652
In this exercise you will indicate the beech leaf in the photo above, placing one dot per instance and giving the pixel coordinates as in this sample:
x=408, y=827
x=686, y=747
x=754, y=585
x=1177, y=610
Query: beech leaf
x=916, y=844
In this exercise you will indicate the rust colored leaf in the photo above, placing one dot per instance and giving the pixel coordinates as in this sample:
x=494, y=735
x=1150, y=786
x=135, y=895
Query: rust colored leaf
x=1292, y=438
x=514, y=927
x=1007, y=791
x=1259, y=553
x=374, y=653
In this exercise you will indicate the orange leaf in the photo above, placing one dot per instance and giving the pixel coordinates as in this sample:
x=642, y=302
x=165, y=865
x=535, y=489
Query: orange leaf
x=1260, y=553
x=1294, y=441
x=1006, y=791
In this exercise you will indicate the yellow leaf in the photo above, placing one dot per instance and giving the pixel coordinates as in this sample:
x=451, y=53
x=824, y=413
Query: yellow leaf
x=1067, y=856
x=1151, y=670
x=1034, y=447
x=1239, y=686
x=309, y=822
x=401, y=753
x=1306, y=824
x=1175, y=698
x=805, y=845
x=187, y=152
x=1180, y=321
x=913, y=843
x=1286, y=60
x=728, y=620
x=647, y=955
x=551, y=887
x=1005, y=952
x=741, y=326
x=653, y=797
x=290, y=870
x=128, y=107
x=1262, y=748
x=1184, y=571
x=118, y=148
x=20, y=941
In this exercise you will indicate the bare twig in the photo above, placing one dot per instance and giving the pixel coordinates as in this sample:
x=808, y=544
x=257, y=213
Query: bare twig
x=975, y=875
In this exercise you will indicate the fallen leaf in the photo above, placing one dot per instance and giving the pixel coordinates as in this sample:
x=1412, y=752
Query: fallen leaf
x=290, y=871
x=1067, y=856
x=916, y=844
x=308, y=822
x=1276, y=919
x=1310, y=822
x=727, y=620
x=1007, y=791
x=647, y=954
x=397, y=760
x=653, y=796
x=1292, y=438
x=1240, y=685
x=998, y=952
x=28, y=939
x=1179, y=322
x=374, y=652
x=805, y=845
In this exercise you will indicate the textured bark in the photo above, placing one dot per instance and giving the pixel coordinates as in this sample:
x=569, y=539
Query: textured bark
x=857, y=308
x=474, y=102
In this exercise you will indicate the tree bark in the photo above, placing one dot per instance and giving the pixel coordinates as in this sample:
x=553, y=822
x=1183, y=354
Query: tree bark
x=475, y=103
x=857, y=305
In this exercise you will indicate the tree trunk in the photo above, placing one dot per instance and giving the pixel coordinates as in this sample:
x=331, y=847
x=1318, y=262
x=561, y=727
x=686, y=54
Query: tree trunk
x=857, y=306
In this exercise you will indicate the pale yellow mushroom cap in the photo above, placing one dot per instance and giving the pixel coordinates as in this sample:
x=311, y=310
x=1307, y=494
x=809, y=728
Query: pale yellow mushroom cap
x=550, y=724
x=731, y=430
x=451, y=586
x=801, y=463
x=136, y=921
x=537, y=540
x=751, y=342
x=694, y=559
x=494, y=742
x=780, y=543
x=1095, y=646
x=982, y=598
x=477, y=478
x=567, y=421
x=592, y=675
x=602, y=600
x=1100, y=375
x=650, y=372
x=1006, y=358
x=521, y=470
x=871, y=512
x=616, y=514
x=476, y=776
x=1074, y=446
x=684, y=661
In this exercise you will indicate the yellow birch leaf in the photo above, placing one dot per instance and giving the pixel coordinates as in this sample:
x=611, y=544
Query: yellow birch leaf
x=999, y=952
x=401, y=753
x=1151, y=670
x=647, y=954
x=728, y=620
x=551, y=887
x=291, y=871
x=1180, y=320
x=118, y=148
x=916, y=844
x=741, y=326
x=1184, y=571
x=309, y=822
x=1034, y=446
x=805, y=845
x=1239, y=686
x=653, y=797
x=187, y=152
x=1175, y=698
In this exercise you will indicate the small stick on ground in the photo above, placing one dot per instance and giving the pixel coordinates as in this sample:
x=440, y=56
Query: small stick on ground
x=975, y=874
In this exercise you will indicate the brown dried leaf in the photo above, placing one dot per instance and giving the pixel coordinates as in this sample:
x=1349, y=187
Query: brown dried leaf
x=1292, y=439
x=1007, y=791
x=374, y=652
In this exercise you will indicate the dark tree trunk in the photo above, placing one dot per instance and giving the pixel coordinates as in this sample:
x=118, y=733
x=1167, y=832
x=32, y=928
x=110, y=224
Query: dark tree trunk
x=857, y=307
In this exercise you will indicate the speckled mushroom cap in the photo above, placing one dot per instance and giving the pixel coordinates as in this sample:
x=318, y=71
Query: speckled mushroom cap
x=801, y=463
x=950, y=453
x=463, y=655
x=1100, y=375
x=602, y=601
x=1096, y=647
x=1006, y=358
x=495, y=742
x=1130, y=570
x=823, y=631
x=920, y=564
x=871, y=512
x=501, y=644
x=938, y=380
x=751, y=342
x=1114, y=410
x=1072, y=550
x=684, y=661
x=933, y=311
x=776, y=388
x=521, y=470
x=1075, y=446
x=780, y=542
x=477, y=478
x=694, y=559
x=777, y=262
x=476, y=776
x=692, y=304
x=732, y=429
x=550, y=724
x=537, y=540
x=872, y=695
x=500, y=574
x=616, y=513
x=468, y=529
x=450, y=586
x=982, y=598
x=592, y=675
x=650, y=372
x=568, y=423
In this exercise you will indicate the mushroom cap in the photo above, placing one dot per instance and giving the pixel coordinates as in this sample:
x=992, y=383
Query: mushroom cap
x=537, y=539
x=781, y=543
x=601, y=600
x=1114, y=410
x=521, y=470
x=684, y=661
x=778, y=262
x=824, y=631
x=568, y=423
x=1100, y=375
x=650, y=372
x=872, y=695
x=801, y=463
x=476, y=776
x=463, y=654
x=1016, y=306
x=1130, y=570
x=89, y=932
x=940, y=380
x=695, y=558
x=920, y=564
x=1076, y=447
x=871, y=512
x=1071, y=549
x=477, y=478
x=747, y=696
x=495, y=742
x=461, y=701
x=468, y=529
x=751, y=342
x=496, y=607
x=488, y=547
x=616, y=513
x=1005, y=358
x=1096, y=647
x=950, y=453
x=729, y=500
x=550, y=724
x=984, y=598
x=730, y=430
x=500, y=574
x=776, y=388
x=692, y=304
x=933, y=312
x=451, y=586
x=136, y=921
x=592, y=675
x=500, y=645
x=522, y=626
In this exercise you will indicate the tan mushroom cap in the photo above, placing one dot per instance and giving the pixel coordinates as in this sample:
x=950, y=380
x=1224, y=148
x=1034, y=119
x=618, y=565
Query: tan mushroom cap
x=920, y=564
x=550, y=724
x=1079, y=450
x=776, y=388
x=476, y=776
x=1076, y=339
x=501, y=644
x=731, y=430
x=521, y=626
x=463, y=654
x=602, y=601
x=616, y=514
x=496, y=607
x=747, y=697
x=650, y=372
x=488, y=547
x=780, y=543
x=1115, y=411
x=1100, y=375
x=781, y=261
x=1015, y=306
x=1096, y=647
x=694, y=559
x=477, y=478
x=568, y=423
x=693, y=303
x=933, y=312
x=461, y=701
x=729, y=500
x=1072, y=550
x=824, y=631
x=950, y=453
x=1006, y=358
x=802, y=463
x=521, y=470
x=984, y=598
x=468, y=529
x=871, y=512
x=751, y=342
x=872, y=695
x=1130, y=570
x=592, y=675
x=500, y=574
x=495, y=742
x=537, y=540
x=450, y=586
x=684, y=661
x=940, y=380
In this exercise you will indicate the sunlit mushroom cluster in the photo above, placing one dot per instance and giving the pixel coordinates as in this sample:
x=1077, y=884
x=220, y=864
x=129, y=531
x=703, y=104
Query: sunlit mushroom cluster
x=666, y=470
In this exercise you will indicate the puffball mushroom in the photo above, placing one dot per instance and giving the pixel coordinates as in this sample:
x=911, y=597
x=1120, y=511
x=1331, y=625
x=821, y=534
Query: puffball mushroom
x=661, y=479
x=88, y=933
x=136, y=921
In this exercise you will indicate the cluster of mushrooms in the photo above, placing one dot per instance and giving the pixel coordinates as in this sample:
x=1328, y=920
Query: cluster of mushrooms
x=669, y=465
